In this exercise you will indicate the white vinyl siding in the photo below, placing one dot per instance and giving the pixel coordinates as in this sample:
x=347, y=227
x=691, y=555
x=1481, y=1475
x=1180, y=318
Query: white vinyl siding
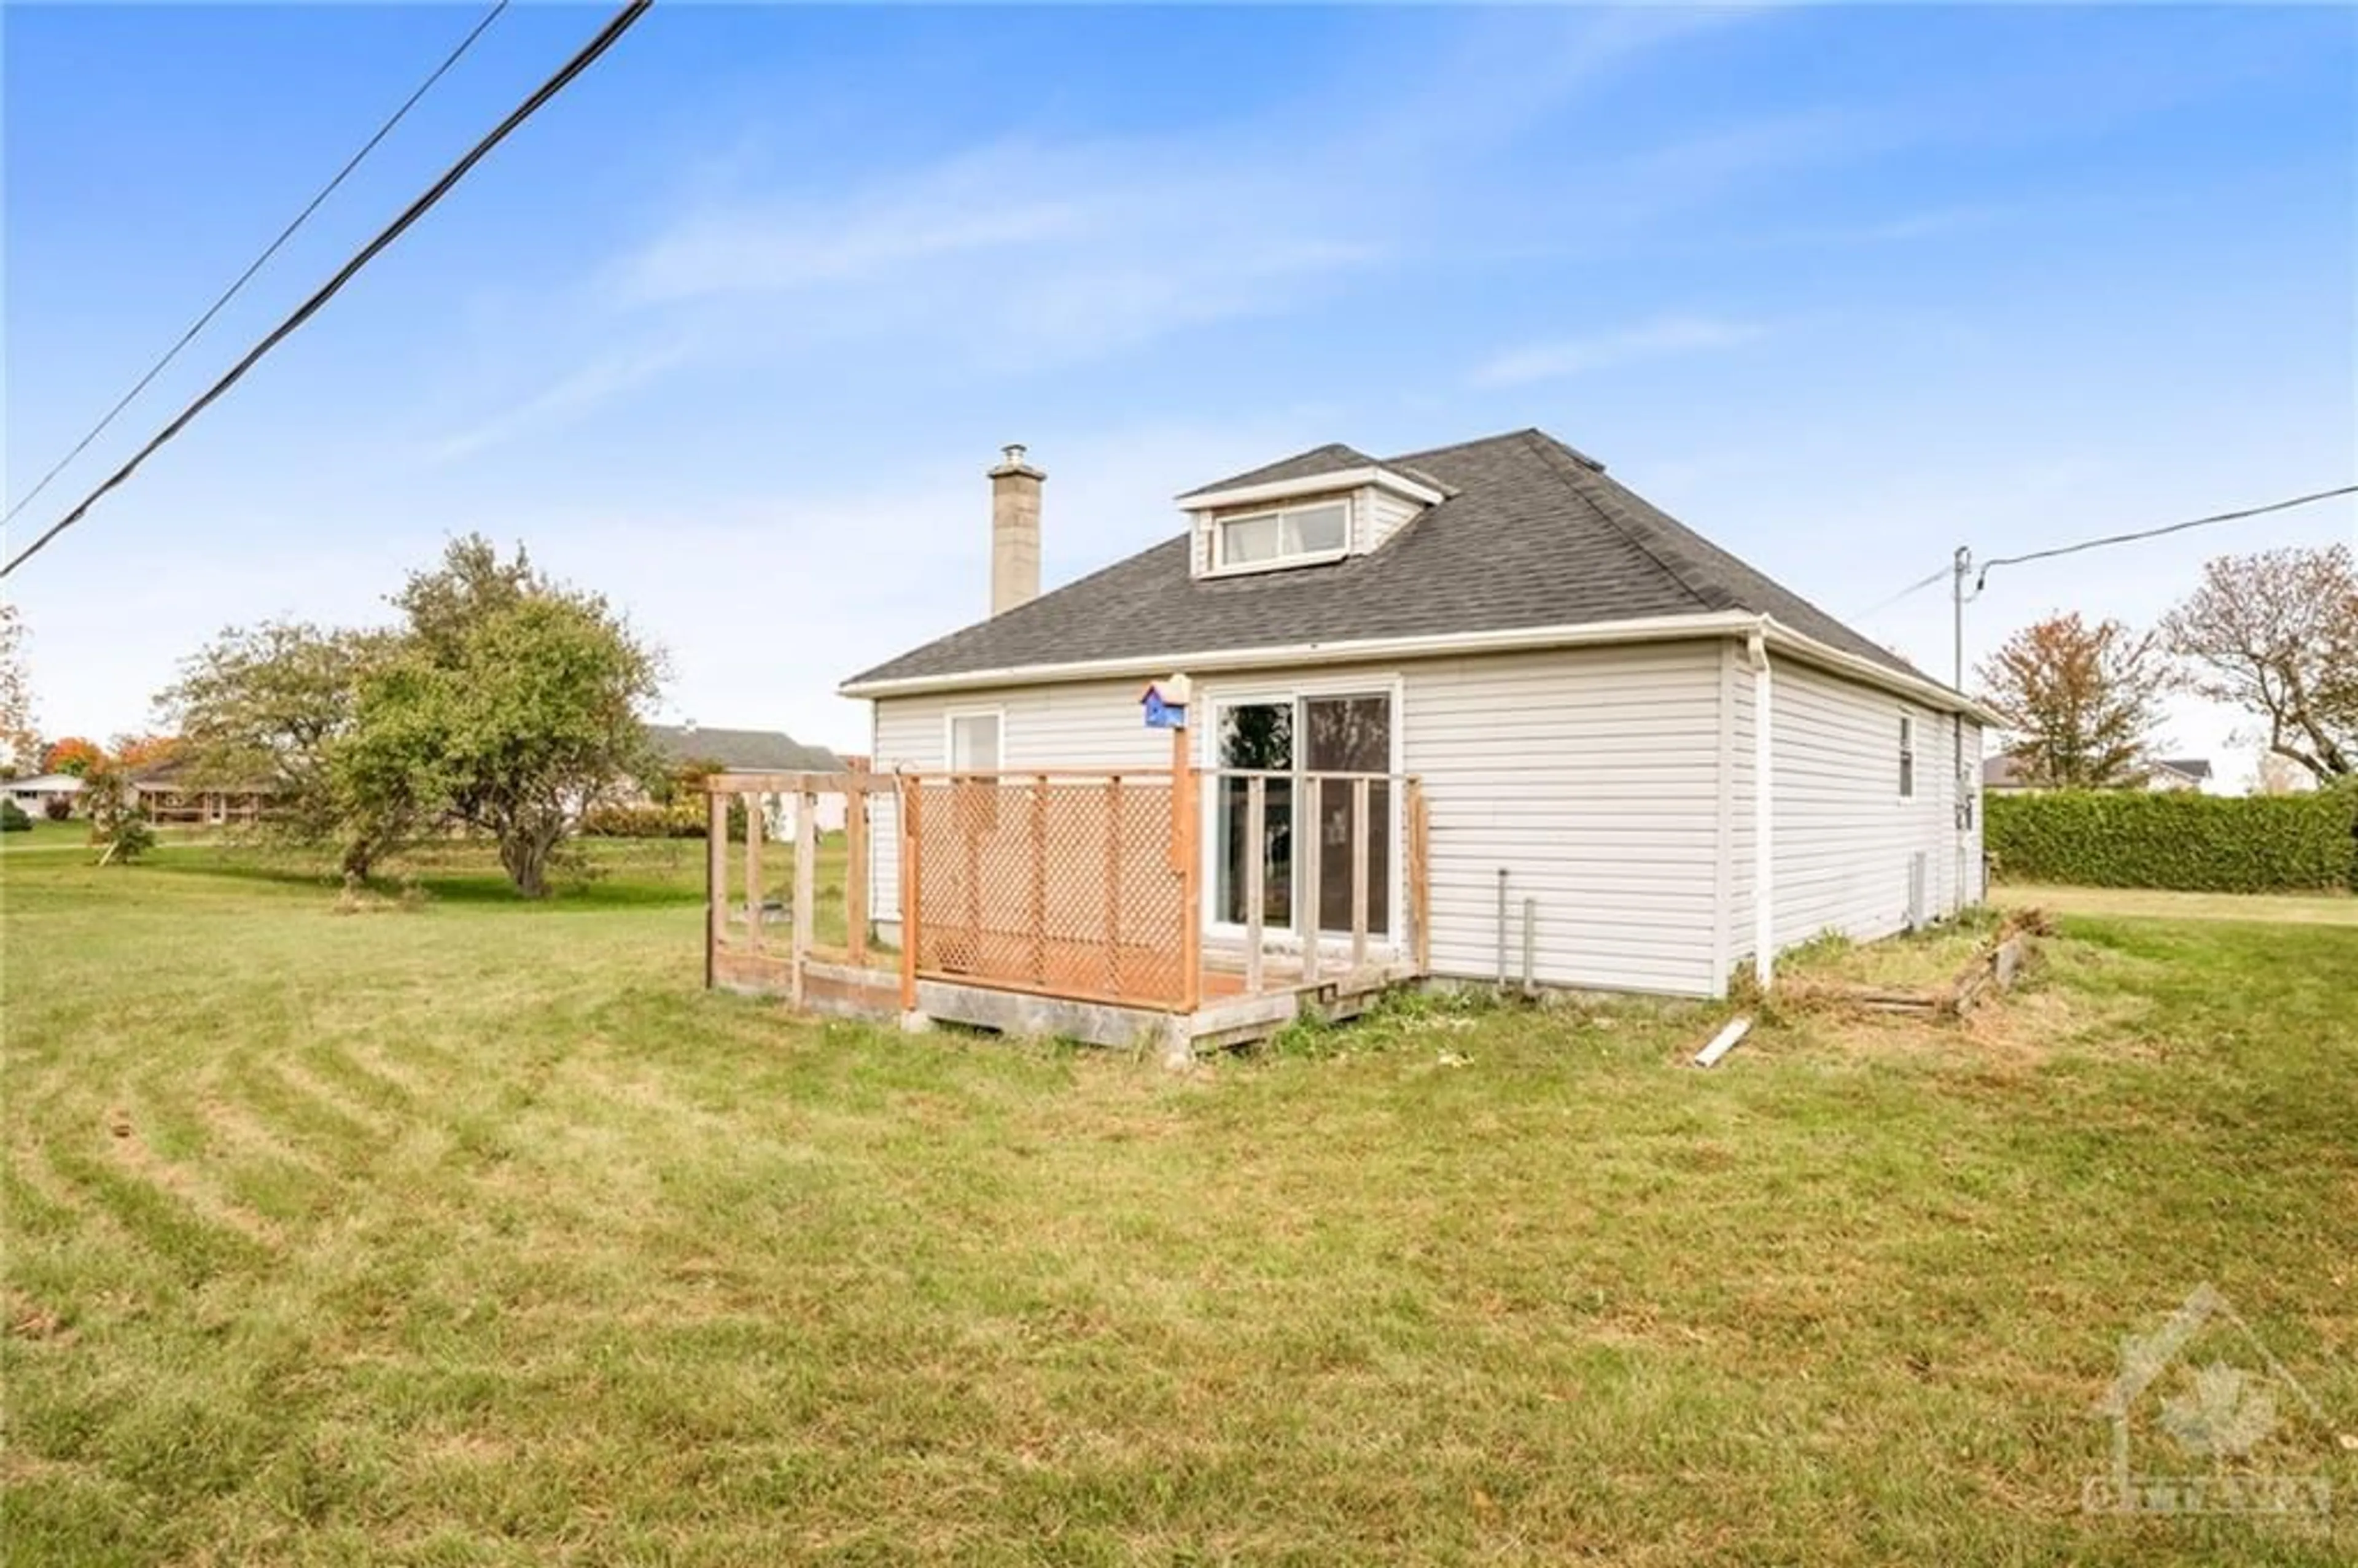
x=1843, y=835
x=1382, y=514
x=1614, y=785
x=1592, y=778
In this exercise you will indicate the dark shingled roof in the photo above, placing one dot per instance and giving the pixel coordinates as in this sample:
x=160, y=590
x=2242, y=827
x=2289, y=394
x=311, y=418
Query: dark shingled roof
x=1532, y=534
x=1332, y=458
x=740, y=750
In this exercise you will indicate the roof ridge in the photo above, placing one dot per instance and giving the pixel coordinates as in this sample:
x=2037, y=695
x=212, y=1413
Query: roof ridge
x=1664, y=553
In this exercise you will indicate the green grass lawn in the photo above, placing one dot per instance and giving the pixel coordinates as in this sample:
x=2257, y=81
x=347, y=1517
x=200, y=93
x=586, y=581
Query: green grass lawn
x=475, y=1232
x=2306, y=908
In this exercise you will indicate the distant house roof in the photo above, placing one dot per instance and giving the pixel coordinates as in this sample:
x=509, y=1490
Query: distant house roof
x=2006, y=773
x=173, y=773
x=740, y=750
x=45, y=784
x=1532, y=534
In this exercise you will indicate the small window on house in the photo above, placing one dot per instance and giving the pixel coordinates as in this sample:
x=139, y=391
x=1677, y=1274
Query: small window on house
x=974, y=750
x=1906, y=756
x=1269, y=537
x=974, y=744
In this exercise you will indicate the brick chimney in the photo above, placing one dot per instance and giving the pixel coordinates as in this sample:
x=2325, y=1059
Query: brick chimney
x=1014, y=532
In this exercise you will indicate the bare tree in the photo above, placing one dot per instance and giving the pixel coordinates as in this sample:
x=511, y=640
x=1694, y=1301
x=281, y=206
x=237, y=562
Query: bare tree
x=2276, y=635
x=2081, y=701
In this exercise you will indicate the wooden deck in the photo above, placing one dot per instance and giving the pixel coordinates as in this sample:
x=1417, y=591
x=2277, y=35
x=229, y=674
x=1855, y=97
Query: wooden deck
x=1056, y=903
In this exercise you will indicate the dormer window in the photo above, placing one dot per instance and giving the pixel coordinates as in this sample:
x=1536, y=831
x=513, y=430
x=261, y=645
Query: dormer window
x=1291, y=533
x=1250, y=525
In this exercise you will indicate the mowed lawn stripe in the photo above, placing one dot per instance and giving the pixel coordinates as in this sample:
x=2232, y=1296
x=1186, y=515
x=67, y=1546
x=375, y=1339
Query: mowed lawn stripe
x=570, y=1261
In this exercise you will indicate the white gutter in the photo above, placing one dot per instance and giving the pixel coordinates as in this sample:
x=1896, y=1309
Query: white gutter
x=1652, y=629
x=1764, y=808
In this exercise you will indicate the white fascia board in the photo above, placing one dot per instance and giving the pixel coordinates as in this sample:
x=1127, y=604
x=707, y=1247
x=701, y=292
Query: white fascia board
x=1931, y=693
x=1653, y=629
x=1313, y=484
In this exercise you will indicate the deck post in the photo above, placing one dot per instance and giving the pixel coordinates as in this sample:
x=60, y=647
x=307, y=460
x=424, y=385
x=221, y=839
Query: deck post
x=1191, y=916
x=1420, y=875
x=855, y=870
x=1309, y=812
x=910, y=918
x=753, y=869
x=805, y=884
x=716, y=878
x=1359, y=873
x=1256, y=875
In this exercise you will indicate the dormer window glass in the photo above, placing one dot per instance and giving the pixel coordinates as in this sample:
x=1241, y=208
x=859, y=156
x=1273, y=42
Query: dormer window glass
x=1286, y=534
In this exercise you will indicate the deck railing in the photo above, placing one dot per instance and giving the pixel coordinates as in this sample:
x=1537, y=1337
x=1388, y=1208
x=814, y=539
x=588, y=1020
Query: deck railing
x=1084, y=885
x=1081, y=885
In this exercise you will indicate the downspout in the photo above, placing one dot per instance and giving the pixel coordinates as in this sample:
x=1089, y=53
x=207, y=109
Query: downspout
x=1764, y=816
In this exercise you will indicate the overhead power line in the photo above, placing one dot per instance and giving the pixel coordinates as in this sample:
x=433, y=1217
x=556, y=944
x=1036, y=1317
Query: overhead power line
x=616, y=25
x=2156, y=533
x=255, y=265
x=1919, y=586
x=1944, y=573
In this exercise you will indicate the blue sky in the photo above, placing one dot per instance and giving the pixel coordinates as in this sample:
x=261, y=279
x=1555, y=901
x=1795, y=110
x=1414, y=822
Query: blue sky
x=732, y=329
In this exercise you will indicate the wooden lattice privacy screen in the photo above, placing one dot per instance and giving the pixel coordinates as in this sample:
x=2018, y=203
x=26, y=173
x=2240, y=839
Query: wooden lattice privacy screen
x=1077, y=885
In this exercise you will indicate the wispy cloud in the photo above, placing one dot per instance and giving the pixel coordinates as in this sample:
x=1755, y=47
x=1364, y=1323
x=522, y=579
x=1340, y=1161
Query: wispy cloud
x=1662, y=338
x=604, y=377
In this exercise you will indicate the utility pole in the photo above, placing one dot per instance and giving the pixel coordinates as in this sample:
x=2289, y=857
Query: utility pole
x=1963, y=563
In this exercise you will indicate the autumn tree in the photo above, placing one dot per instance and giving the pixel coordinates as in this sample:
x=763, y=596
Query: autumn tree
x=76, y=754
x=2276, y=635
x=2081, y=701
x=136, y=752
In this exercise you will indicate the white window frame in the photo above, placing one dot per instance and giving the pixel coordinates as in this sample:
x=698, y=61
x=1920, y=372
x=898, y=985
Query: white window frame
x=950, y=717
x=1219, y=524
x=1908, y=754
x=1205, y=745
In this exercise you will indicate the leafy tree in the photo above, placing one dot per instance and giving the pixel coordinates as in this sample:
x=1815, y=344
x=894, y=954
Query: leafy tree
x=75, y=754
x=116, y=824
x=514, y=699
x=18, y=742
x=2081, y=701
x=2276, y=635
x=503, y=701
x=277, y=705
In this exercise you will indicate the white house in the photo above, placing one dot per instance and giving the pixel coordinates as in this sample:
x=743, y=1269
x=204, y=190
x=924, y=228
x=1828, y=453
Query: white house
x=33, y=794
x=1679, y=766
x=753, y=751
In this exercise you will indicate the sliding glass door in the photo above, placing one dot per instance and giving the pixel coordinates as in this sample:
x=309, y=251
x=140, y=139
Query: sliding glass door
x=1283, y=737
x=1351, y=735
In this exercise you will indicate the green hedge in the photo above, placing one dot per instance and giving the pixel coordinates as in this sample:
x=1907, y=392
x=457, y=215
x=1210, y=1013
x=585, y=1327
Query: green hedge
x=2130, y=838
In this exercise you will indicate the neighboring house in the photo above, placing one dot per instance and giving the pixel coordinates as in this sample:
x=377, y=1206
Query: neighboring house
x=1681, y=763
x=166, y=793
x=34, y=794
x=2006, y=776
x=754, y=751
